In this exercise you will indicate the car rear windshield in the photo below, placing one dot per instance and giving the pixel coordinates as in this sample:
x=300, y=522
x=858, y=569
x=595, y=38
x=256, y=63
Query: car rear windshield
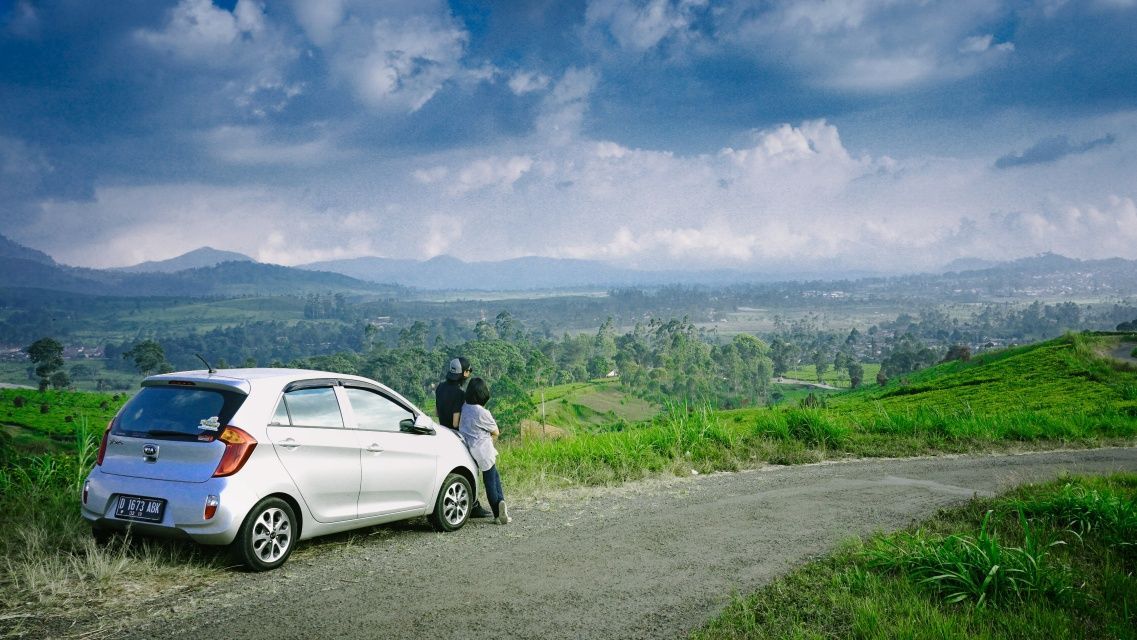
x=177, y=412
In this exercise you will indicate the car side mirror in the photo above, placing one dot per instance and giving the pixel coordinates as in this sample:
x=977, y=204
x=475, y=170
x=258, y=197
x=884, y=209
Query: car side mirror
x=420, y=424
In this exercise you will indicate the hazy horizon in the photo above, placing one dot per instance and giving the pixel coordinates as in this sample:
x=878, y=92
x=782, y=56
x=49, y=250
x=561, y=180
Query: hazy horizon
x=802, y=136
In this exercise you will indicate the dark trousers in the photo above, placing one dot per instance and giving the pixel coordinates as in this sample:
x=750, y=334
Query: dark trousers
x=492, y=480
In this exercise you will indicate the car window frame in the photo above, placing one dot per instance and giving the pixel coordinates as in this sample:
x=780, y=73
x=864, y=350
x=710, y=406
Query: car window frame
x=304, y=385
x=398, y=401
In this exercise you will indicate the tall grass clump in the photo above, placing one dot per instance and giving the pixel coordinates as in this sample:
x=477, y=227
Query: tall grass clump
x=1102, y=513
x=979, y=568
x=816, y=427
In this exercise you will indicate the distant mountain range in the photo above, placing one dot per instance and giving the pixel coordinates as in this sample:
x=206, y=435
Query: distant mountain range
x=529, y=273
x=21, y=267
x=210, y=272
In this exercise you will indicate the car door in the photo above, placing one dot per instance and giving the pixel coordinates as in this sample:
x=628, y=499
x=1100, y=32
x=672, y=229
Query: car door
x=398, y=467
x=317, y=449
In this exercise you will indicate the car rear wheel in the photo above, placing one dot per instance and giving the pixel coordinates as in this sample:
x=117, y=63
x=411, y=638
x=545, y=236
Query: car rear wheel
x=267, y=536
x=452, y=508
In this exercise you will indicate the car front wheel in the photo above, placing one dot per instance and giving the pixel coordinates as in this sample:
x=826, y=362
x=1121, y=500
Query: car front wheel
x=267, y=535
x=452, y=508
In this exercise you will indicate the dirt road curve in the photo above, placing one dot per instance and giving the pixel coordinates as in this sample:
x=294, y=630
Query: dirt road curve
x=651, y=560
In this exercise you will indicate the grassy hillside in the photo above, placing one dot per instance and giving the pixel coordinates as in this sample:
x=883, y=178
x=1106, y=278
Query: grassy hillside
x=35, y=422
x=1064, y=392
x=593, y=406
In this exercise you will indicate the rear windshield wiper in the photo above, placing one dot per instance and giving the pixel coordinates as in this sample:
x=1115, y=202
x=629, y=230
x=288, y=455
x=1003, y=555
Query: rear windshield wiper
x=159, y=433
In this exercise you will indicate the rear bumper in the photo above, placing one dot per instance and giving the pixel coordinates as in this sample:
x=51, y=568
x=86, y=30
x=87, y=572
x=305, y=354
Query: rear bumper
x=184, y=515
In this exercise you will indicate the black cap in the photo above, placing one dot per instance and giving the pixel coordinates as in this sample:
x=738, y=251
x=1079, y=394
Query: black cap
x=456, y=368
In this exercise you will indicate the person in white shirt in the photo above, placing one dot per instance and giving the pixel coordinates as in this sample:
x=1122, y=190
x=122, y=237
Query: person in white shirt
x=479, y=431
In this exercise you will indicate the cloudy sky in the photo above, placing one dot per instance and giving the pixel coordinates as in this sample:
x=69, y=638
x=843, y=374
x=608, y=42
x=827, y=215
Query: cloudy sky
x=892, y=135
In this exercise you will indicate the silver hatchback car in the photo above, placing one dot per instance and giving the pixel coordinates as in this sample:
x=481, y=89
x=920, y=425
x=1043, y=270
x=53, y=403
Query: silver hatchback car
x=263, y=458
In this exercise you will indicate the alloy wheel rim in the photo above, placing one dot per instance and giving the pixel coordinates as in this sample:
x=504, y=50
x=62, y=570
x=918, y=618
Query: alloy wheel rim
x=455, y=503
x=272, y=535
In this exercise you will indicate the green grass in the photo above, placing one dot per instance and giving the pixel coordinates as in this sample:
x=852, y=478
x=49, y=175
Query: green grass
x=598, y=405
x=49, y=563
x=808, y=372
x=56, y=414
x=1010, y=567
x=1057, y=393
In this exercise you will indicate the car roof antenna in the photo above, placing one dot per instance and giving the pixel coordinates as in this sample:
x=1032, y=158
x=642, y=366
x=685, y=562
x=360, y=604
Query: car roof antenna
x=207, y=365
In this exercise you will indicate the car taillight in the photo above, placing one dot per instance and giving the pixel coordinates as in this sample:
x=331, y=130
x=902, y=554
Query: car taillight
x=103, y=444
x=211, y=503
x=238, y=447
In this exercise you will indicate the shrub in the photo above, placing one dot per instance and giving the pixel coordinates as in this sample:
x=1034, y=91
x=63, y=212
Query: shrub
x=45, y=408
x=19, y=401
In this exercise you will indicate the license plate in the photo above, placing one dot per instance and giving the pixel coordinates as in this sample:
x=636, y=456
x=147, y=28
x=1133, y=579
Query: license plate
x=136, y=508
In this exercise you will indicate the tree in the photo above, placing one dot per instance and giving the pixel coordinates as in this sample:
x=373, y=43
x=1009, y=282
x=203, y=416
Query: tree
x=47, y=355
x=856, y=373
x=149, y=358
x=820, y=363
x=960, y=352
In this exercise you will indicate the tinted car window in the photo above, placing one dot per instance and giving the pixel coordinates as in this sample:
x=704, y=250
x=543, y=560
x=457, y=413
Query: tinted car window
x=314, y=407
x=375, y=411
x=280, y=416
x=175, y=412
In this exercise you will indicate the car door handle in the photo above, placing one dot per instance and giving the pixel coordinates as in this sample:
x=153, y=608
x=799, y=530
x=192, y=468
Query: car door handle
x=289, y=443
x=375, y=448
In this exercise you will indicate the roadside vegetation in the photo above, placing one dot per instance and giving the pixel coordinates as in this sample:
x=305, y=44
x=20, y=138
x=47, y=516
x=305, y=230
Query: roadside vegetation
x=1061, y=393
x=1056, y=560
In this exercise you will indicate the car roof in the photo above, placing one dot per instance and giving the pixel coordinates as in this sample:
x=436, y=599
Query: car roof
x=244, y=380
x=248, y=377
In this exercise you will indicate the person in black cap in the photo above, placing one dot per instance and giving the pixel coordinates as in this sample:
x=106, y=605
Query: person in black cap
x=448, y=400
x=450, y=395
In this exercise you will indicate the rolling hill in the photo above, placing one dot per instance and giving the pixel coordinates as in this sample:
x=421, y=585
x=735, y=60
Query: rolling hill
x=196, y=259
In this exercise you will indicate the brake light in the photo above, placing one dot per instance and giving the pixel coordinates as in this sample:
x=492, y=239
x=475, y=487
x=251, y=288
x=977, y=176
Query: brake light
x=103, y=444
x=238, y=447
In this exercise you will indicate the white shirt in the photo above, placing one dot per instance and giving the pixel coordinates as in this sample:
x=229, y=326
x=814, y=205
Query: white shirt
x=476, y=424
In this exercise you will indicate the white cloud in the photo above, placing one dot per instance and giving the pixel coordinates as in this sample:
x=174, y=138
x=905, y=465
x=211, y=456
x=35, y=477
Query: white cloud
x=491, y=172
x=641, y=25
x=199, y=31
x=393, y=55
x=984, y=43
x=865, y=45
x=442, y=232
x=524, y=82
x=241, y=45
x=563, y=109
x=319, y=18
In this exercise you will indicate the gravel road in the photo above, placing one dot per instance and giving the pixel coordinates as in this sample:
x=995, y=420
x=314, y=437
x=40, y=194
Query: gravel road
x=647, y=560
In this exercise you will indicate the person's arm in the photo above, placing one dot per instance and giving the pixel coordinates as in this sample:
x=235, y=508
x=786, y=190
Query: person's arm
x=491, y=426
x=457, y=418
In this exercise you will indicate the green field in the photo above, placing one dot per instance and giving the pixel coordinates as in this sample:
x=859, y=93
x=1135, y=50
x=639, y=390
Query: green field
x=598, y=405
x=50, y=421
x=118, y=380
x=808, y=372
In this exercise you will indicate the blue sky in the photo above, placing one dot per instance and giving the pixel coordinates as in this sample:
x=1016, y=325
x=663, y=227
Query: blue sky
x=779, y=136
